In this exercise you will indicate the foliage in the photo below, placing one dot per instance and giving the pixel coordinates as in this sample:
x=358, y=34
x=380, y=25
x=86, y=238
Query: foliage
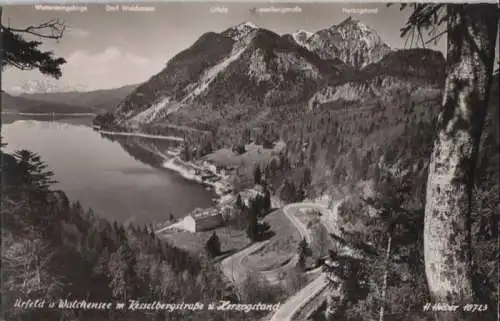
x=212, y=245
x=399, y=214
x=257, y=174
x=303, y=252
x=252, y=225
x=26, y=55
x=239, y=202
x=55, y=247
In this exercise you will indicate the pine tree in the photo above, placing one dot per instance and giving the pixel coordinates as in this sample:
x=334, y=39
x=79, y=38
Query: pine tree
x=267, y=200
x=212, y=246
x=35, y=173
x=256, y=205
x=25, y=54
x=122, y=265
x=257, y=175
x=186, y=153
x=303, y=252
x=252, y=225
x=239, y=202
x=472, y=30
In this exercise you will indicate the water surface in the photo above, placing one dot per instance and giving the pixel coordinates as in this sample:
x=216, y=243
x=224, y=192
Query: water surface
x=103, y=175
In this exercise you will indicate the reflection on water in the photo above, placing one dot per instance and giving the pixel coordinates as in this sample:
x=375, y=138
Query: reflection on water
x=8, y=118
x=120, y=178
x=146, y=150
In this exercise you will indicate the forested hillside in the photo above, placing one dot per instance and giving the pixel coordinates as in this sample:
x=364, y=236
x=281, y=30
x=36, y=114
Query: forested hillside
x=54, y=249
x=394, y=208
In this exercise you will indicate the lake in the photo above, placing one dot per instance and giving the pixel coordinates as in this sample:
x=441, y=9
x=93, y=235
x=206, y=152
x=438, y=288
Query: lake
x=114, y=178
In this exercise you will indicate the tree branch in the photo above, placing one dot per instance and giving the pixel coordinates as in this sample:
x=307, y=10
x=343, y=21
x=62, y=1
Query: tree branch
x=55, y=27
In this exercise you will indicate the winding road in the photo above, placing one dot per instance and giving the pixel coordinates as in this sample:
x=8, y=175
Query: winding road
x=302, y=299
x=299, y=300
x=233, y=268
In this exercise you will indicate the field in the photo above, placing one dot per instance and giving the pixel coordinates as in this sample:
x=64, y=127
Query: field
x=246, y=162
x=281, y=248
x=230, y=239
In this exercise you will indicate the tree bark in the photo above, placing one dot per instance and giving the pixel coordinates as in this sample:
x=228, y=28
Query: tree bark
x=472, y=31
x=498, y=271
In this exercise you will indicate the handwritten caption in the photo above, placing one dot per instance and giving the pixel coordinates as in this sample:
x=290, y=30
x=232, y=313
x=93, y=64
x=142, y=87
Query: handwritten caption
x=135, y=305
x=445, y=307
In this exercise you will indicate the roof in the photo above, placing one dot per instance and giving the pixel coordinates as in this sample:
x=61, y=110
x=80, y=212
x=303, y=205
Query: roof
x=200, y=213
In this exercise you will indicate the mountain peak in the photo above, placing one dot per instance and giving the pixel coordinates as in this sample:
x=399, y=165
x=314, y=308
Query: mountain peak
x=46, y=86
x=351, y=23
x=303, y=32
x=349, y=19
x=240, y=31
x=351, y=41
x=301, y=37
x=246, y=24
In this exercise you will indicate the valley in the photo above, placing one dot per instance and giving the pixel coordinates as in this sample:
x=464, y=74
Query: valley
x=286, y=168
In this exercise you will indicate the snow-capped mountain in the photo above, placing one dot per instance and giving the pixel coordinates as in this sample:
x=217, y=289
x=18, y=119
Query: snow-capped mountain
x=45, y=86
x=240, y=31
x=244, y=64
x=351, y=41
x=302, y=36
x=246, y=69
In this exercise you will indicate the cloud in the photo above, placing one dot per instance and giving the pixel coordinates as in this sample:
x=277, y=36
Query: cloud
x=78, y=33
x=107, y=69
x=110, y=68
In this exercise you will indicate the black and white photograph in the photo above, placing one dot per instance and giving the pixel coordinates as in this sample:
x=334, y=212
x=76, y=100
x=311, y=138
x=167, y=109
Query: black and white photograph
x=250, y=161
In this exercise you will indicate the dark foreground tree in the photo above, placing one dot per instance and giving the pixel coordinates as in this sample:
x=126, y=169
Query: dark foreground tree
x=471, y=32
x=213, y=246
x=267, y=201
x=252, y=225
x=257, y=174
x=24, y=54
x=34, y=170
x=391, y=213
x=303, y=251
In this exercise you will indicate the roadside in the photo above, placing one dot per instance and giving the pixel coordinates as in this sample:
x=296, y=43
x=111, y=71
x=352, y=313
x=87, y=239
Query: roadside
x=231, y=240
x=272, y=258
x=296, y=303
x=310, y=298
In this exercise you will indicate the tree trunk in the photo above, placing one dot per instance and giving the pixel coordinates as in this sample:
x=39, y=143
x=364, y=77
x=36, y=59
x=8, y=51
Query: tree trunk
x=386, y=272
x=472, y=31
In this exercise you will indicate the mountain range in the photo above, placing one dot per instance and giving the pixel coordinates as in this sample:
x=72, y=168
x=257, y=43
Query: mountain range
x=72, y=101
x=247, y=73
x=45, y=86
x=20, y=104
x=98, y=100
x=251, y=71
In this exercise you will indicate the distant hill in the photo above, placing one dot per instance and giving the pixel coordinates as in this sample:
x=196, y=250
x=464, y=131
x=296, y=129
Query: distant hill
x=18, y=104
x=97, y=101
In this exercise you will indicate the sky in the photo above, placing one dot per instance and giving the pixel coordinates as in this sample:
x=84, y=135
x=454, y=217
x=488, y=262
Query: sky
x=109, y=49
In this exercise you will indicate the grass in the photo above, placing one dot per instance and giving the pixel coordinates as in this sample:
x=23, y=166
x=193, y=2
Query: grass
x=246, y=162
x=230, y=239
x=305, y=216
x=282, y=246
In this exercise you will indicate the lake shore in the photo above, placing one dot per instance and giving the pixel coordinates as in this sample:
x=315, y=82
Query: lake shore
x=214, y=171
x=119, y=184
x=204, y=172
x=137, y=134
x=48, y=114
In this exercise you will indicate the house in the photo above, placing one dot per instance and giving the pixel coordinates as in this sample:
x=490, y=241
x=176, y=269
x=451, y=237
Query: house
x=202, y=220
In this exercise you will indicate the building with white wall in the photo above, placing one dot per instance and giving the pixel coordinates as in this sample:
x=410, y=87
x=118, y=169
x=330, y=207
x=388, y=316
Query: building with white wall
x=203, y=220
